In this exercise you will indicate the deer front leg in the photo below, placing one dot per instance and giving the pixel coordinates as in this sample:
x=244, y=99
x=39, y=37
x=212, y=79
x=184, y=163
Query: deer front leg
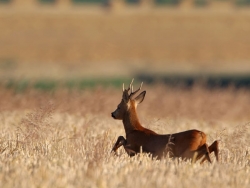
x=121, y=141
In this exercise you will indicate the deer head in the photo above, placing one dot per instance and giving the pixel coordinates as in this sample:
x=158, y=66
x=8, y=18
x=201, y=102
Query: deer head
x=128, y=102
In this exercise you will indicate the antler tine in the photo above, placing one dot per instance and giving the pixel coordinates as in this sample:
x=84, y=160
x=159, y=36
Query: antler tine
x=123, y=87
x=133, y=93
x=130, y=85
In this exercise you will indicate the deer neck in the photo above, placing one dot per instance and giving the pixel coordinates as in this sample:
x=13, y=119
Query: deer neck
x=131, y=121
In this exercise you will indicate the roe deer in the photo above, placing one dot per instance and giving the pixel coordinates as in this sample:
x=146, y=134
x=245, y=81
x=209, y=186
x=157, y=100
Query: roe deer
x=181, y=145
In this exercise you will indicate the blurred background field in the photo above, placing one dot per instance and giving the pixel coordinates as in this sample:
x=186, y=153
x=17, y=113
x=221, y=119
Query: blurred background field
x=195, y=52
x=75, y=40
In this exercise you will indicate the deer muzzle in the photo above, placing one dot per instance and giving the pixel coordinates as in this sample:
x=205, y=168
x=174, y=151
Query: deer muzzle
x=113, y=115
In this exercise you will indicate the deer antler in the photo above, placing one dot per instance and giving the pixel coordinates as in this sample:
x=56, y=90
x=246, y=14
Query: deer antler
x=132, y=93
x=130, y=86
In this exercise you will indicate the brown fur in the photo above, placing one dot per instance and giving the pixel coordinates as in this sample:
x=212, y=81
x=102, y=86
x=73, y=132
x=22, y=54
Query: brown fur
x=181, y=145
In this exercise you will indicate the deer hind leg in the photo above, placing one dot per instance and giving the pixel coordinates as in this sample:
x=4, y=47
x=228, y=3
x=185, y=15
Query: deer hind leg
x=214, y=147
x=121, y=141
x=203, y=151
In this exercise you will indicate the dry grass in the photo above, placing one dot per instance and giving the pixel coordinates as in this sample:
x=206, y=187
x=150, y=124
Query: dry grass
x=64, y=139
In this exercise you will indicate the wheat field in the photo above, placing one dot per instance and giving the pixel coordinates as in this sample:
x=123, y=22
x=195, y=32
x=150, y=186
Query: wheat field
x=64, y=138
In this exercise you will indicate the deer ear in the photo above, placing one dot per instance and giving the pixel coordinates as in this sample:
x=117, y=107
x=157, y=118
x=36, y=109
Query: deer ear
x=140, y=97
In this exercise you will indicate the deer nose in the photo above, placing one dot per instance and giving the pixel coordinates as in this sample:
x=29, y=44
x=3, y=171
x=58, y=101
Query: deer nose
x=112, y=114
